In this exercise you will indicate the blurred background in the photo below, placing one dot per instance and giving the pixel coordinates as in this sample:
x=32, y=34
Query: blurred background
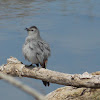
x=71, y=27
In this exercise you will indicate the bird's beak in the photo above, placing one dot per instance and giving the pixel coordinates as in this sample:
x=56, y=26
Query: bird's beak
x=27, y=29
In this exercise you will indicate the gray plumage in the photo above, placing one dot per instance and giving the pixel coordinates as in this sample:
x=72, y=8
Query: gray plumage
x=35, y=49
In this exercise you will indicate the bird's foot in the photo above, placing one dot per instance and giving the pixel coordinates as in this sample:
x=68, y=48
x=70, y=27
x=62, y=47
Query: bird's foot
x=21, y=62
x=37, y=68
x=37, y=65
x=30, y=65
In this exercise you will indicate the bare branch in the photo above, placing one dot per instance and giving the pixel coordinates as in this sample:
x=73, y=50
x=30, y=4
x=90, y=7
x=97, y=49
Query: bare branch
x=21, y=86
x=15, y=68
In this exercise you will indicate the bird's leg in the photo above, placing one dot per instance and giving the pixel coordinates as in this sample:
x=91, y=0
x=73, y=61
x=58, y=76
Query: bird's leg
x=30, y=65
x=21, y=62
x=37, y=65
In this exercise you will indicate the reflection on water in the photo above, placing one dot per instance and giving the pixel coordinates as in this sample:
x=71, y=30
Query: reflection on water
x=70, y=27
x=17, y=8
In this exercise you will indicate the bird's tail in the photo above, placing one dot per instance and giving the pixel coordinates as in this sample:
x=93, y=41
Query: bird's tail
x=44, y=66
x=46, y=83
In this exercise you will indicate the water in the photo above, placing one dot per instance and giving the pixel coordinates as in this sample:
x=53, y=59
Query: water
x=70, y=27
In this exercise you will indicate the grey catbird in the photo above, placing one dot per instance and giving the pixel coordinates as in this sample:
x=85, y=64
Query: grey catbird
x=35, y=49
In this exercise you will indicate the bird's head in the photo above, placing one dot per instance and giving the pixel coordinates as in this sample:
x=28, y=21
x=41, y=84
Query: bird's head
x=33, y=31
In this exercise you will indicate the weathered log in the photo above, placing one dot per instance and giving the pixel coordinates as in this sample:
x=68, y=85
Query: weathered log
x=16, y=68
x=72, y=93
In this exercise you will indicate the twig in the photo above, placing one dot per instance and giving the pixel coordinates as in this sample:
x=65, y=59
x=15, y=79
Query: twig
x=21, y=86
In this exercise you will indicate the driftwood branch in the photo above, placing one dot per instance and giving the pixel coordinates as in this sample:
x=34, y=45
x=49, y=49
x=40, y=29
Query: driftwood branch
x=16, y=68
x=23, y=87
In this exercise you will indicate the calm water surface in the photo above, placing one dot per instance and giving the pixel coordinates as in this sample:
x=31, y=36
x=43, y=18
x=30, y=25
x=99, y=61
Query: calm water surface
x=72, y=28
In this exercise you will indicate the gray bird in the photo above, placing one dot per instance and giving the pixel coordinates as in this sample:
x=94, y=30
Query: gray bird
x=35, y=49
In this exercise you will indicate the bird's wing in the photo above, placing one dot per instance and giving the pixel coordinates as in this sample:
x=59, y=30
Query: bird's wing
x=41, y=49
x=45, y=51
x=44, y=48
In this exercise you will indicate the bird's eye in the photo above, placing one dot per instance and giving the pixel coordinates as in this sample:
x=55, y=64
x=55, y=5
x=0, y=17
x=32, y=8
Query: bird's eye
x=32, y=30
